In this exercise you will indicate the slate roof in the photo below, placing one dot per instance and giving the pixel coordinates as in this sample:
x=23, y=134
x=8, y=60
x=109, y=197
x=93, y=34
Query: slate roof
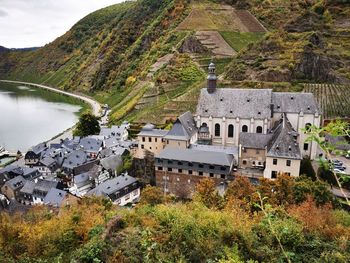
x=111, y=142
x=48, y=161
x=114, y=131
x=196, y=156
x=71, y=144
x=55, y=197
x=291, y=102
x=112, y=185
x=150, y=130
x=28, y=187
x=82, y=179
x=16, y=183
x=45, y=185
x=284, y=141
x=232, y=103
x=90, y=144
x=254, y=140
x=39, y=148
x=183, y=129
x=83, y=168
x=111, y=162
x=74, y=159
x=29, y=172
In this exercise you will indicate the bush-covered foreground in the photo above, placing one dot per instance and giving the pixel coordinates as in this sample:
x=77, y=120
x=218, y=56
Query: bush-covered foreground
x=283, y=221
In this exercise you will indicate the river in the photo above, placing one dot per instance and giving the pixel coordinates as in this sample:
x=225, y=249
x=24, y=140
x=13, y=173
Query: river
x=30, y=115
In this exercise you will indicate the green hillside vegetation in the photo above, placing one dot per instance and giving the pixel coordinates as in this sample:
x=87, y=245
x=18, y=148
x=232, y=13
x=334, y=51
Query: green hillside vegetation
x=110, y=53
x=240, y=40
x=296, y=222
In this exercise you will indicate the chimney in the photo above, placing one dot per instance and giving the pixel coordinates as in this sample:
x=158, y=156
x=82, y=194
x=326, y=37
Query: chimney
x=212, y=79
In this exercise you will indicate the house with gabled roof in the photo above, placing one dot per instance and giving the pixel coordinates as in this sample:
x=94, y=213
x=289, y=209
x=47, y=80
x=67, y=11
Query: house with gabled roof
x=121, y=190
x=12, y=187
x=183, y=132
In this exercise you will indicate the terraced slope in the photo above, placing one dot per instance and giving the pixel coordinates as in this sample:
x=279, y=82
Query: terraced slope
x=334, y=100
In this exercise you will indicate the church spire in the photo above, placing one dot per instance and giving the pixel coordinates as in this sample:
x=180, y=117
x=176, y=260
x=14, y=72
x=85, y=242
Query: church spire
x=212, y=79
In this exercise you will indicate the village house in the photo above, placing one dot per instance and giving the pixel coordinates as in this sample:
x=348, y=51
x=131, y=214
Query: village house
x=12, y=187
x=57, y=198
x=32, y=157
x=151, y=139
x=121, y=190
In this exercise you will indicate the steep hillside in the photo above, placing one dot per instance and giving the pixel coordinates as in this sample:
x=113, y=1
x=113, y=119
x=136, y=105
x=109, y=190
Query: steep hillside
x=148, y=59
x=310, y=43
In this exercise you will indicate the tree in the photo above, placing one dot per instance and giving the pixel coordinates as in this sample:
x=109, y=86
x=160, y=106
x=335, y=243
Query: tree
x=87, y=125
x=207, y=194
x=152, y=195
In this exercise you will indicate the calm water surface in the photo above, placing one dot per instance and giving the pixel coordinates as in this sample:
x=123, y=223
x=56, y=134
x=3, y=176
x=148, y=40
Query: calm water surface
x=29, y=116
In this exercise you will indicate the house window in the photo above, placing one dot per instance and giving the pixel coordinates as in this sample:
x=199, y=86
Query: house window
x=143, y=139
x=273, y=174
x=244, y=162
x=211, y=175
x=274, y=161
x=230, y=131
x=150, y=139
x=217, y=130
x=244, y=128
x=142, y=146
x=200, y=173
x=306, y=146
x=288, y=162
x=170, y=169
x=259, y=129
x=180, y=171
x=223, y=176
x=160, y=168
x=155, y=139
x=204, y=124
x=190, y=172
x=211, y=167
x=190, y=164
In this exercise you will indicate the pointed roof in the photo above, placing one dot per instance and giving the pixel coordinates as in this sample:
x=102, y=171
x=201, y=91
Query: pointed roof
x=284, y=141
x=184, y=128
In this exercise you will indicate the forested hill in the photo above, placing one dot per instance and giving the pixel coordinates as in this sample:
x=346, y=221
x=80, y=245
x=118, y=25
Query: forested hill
x=147, y=59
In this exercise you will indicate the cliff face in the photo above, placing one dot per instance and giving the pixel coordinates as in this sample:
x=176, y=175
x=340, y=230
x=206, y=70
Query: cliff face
x=310, y=44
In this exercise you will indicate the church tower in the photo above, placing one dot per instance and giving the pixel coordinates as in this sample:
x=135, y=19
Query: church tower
x=212, y=79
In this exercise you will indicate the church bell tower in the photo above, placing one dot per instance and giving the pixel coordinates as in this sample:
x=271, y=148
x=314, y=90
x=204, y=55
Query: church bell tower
x=212, y=79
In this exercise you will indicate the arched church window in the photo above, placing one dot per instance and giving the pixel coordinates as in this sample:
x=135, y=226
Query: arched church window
x=204, y=124
x=308, y=127
x=230, y=131
x=244, y=128
x=217, y=130
x=259, y=129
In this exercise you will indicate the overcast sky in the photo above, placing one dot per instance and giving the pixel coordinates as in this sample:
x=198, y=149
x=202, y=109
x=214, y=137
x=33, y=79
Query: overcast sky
x=33, y=23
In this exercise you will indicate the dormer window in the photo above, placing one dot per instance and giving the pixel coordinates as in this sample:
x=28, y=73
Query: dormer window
x=259, y=113
x=248, y=100
x=278, y=106
x=292, y=98
x=221, y=99
x=231, y=111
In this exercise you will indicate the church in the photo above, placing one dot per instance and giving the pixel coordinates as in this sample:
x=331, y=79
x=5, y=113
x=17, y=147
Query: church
x=228, y=113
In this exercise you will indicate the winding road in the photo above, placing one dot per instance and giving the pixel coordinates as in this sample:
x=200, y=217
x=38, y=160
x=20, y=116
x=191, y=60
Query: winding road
x=95, y=106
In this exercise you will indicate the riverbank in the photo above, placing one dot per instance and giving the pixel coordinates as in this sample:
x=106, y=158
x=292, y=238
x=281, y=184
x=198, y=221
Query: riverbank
x=95, y=106
x=68, y=133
